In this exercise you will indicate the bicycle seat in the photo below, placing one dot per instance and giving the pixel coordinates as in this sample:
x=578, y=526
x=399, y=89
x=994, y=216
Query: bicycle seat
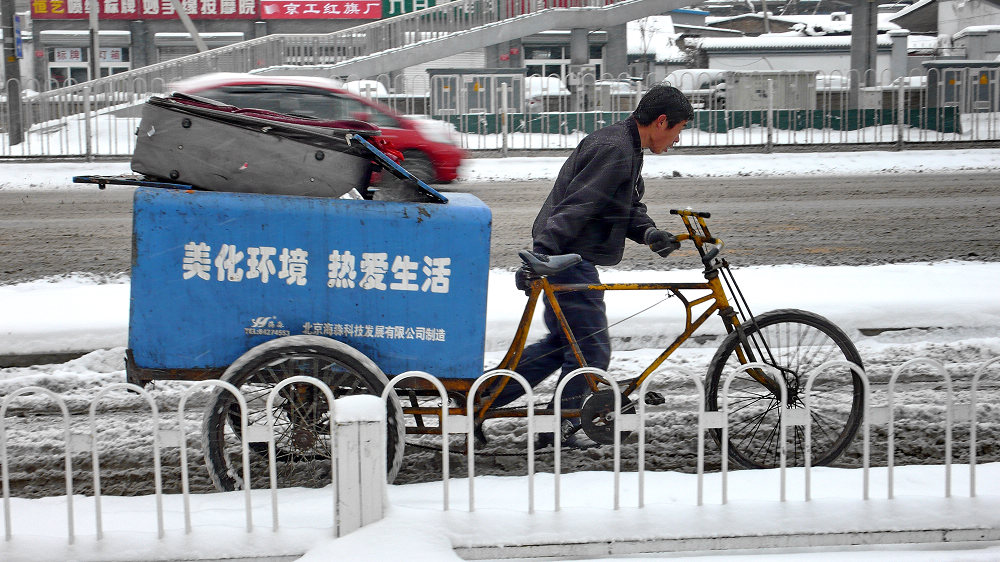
x=547, y=265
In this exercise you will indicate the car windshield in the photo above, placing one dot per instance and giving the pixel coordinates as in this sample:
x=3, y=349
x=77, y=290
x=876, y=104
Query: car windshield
x=302, y=101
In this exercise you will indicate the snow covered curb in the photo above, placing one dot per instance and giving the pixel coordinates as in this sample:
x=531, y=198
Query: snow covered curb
x=30, y=176
x=778, y=164
x=501, y=527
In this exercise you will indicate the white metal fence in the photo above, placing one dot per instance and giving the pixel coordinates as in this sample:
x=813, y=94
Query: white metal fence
x=881, y=415
x=100, y=118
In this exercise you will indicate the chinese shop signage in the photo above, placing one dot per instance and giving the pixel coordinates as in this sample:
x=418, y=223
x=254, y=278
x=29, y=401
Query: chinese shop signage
x=145, y=9
x=230, y=9
x=321, y=9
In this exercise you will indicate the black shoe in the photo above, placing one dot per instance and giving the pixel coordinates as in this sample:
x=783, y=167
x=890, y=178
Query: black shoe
x=544, y=441
x=572, y=438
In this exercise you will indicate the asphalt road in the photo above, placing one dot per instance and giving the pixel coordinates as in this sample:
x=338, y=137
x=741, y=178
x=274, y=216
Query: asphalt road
x=847, y=220
x=821, y=220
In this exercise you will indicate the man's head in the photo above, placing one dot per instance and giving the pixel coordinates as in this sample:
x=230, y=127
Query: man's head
x=661, y=115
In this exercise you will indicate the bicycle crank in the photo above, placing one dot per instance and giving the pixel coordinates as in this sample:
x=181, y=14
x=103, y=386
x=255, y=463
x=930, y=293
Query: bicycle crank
x=597, y=416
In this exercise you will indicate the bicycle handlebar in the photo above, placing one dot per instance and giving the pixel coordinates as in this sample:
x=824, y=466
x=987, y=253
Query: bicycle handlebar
x=713, y=252
x=689, y=212
x=697, y=232
x=699, y=241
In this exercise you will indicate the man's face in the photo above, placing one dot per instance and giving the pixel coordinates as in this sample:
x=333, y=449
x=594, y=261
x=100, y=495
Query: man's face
x=664, y=136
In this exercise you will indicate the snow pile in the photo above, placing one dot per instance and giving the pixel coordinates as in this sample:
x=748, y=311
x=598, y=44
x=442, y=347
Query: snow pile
x=77, y=314
x=587, y=525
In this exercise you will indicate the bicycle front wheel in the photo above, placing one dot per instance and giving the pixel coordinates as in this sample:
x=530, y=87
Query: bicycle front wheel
x=794, y=342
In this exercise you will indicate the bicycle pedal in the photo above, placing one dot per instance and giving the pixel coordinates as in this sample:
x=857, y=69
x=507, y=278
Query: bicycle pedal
x=654, y=398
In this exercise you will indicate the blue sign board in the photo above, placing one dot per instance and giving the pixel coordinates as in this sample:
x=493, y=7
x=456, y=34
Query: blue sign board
x=18, y=44
x=215, y=274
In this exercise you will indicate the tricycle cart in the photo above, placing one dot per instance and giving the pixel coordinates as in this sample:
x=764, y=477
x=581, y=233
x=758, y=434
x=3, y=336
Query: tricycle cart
x=257, y=288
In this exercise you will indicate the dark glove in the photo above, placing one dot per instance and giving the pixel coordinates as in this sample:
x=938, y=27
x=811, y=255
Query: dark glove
x=523, y=278
x=661, y=241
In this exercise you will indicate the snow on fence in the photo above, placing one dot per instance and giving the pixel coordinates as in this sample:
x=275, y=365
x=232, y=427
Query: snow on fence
x=353, y=507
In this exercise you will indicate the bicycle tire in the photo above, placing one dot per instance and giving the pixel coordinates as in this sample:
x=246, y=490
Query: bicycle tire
x=302, y=431
x=797, y=342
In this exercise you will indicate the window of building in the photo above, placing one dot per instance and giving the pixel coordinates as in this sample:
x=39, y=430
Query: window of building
x=71, y=65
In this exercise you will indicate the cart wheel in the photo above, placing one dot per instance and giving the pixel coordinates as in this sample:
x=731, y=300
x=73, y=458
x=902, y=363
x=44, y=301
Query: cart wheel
x=301, y=415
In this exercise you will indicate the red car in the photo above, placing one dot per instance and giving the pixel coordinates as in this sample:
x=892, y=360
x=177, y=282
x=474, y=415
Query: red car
x=430, y=147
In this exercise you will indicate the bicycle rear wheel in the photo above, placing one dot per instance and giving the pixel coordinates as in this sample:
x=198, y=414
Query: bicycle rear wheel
x=795, y=342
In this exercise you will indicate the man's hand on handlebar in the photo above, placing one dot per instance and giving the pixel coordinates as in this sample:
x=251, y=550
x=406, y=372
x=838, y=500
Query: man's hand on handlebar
x=661, y=241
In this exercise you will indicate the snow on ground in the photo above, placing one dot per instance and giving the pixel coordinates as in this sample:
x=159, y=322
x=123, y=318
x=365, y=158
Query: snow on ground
x=416, y=525
x=74, y=313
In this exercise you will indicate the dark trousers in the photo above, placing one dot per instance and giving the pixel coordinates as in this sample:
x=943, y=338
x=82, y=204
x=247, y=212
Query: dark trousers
x=587, y=317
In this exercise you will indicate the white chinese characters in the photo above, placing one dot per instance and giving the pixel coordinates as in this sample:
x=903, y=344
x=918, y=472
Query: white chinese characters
x=369, y=271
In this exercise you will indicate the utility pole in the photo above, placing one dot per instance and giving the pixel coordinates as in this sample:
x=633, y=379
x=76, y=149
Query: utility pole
x=11, y=26
x=189, y=25
x=864, y=29
x=94, y=8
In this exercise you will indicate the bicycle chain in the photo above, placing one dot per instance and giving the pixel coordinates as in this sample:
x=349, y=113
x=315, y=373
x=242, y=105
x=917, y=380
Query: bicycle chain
x=463, y=451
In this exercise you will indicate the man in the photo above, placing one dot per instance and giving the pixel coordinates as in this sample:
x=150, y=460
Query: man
x=594, y=205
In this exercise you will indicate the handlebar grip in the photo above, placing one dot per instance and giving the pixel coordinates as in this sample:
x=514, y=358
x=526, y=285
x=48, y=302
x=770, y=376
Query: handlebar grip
x=702, y=214
x=711, y=254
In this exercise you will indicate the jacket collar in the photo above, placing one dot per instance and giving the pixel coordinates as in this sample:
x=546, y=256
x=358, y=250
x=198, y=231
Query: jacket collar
x=633, y=129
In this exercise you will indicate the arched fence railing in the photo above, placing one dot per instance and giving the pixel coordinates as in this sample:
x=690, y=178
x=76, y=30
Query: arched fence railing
x=263, y=431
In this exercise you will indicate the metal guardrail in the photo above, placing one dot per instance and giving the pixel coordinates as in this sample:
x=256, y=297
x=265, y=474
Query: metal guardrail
x=344, y=518
x=100, y=119
x=883, y=415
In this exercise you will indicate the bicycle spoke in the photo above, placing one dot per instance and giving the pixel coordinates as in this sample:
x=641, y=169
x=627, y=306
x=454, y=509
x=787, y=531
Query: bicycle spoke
x=795, y=343
x=798, y=446
x=769, y=440
x=823, y=428
x=756, y=421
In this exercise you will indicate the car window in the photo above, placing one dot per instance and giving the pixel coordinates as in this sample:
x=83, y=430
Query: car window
x=302, y=101
x=354, y=109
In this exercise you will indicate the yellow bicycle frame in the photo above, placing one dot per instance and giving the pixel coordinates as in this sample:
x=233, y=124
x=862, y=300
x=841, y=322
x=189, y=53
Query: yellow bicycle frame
x=715, y=297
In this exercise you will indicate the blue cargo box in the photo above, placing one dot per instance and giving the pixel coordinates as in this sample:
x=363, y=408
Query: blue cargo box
x=215, y=274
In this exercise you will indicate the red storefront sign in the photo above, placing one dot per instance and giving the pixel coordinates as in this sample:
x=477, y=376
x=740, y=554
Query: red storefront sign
x=144, y=9
x=321, y=9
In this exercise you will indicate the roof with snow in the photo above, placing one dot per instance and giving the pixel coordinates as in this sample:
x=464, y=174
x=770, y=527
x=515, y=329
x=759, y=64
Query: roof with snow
x=715, y=31
x=913, y=7
x=976, y=29
x=781, y=42
x=826, y=22
x=920, y=16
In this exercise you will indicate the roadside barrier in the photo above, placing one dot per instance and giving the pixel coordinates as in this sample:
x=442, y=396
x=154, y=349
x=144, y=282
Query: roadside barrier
x=353, y=507
x=99, y=118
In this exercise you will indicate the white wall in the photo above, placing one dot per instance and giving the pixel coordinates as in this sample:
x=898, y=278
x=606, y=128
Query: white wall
x=825, y=63
x=416, y=79
x=956, y=16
